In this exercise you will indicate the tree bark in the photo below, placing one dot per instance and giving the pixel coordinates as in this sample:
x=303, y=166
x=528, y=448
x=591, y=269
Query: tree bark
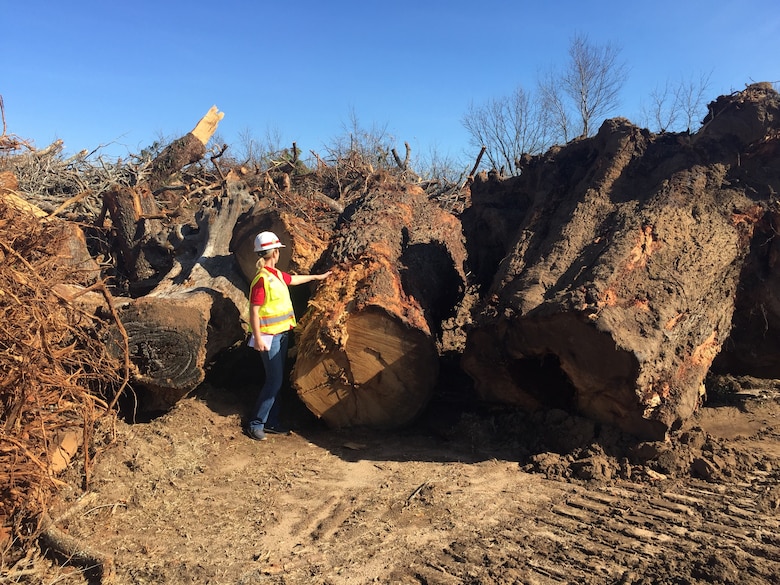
x=135, y=219
x=304, y=242
x=618, y=290
x=367, y=347
x=195, y=312
x=184, y=151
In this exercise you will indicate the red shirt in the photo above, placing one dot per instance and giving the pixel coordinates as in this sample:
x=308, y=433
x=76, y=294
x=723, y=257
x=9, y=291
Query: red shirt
x=257, y=294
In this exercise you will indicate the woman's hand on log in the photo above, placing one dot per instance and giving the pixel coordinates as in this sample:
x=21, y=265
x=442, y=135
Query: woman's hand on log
x=304, y=278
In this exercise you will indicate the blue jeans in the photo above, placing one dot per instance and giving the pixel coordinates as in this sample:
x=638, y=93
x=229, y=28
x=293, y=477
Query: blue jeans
x=266, y=411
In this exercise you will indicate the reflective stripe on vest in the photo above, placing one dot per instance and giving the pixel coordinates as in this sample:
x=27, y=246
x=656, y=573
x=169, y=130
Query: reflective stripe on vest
x=276, y=313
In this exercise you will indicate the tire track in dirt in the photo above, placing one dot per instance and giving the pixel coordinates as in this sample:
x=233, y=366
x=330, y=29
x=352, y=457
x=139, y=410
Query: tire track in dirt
x=323, y=518
x=193, y=500
x=386, y=512
x=609, y=534
x=542, y=531
x=342, y=497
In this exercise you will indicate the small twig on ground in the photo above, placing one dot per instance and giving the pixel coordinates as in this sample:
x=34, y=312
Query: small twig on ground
x=416, y=491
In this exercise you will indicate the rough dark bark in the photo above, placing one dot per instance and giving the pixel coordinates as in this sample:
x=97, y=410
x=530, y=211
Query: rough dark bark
x=143, y=243
x=367, y=348
x=183, y=151
x=135, y=218
x=619, y=288
x=196, y=311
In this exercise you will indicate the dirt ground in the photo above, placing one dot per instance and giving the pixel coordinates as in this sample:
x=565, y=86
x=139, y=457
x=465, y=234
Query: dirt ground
x=470, y=494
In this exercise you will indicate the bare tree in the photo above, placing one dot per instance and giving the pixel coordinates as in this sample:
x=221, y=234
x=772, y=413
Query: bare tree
x=675, y=108
x=692, y=100
x=662, y=113
x=554, y=104
x=593, y=79
x=249, y=149
x=253, y=150
x=441, y=168
x=508, y=127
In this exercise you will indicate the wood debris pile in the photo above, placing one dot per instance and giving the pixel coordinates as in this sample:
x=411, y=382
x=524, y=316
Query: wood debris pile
x=601, y=280
x=58, y=380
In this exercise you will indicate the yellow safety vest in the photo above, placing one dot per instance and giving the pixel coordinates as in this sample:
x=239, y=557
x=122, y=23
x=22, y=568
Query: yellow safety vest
x=276, y=313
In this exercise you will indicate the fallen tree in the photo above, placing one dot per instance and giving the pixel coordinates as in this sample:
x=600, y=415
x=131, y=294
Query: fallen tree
x=183, y=151
x=190, y=296
x=140, y=235
x=195, y=311
x=367, y=351
x=618, y=289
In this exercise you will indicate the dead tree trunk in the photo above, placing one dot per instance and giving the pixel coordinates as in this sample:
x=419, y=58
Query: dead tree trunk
x=304, y=242
x=183, y=151
x=619, y=289
x=137, y=228
x=137, y=218
x=196, y=311
x=367, y=347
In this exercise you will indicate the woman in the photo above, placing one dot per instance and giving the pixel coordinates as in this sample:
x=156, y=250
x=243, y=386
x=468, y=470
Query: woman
x=271, y=318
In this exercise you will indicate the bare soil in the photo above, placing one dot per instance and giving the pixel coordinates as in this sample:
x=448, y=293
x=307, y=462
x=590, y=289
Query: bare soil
x=466, y=495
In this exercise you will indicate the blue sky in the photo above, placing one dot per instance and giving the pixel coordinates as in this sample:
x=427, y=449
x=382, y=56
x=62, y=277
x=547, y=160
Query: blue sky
x=124, y=74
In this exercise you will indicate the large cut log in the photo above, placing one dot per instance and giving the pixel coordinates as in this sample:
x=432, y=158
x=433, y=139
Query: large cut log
x=304, y=243
x=196, y=311
x=367, y=347
x=138, y=234
x=619, y=289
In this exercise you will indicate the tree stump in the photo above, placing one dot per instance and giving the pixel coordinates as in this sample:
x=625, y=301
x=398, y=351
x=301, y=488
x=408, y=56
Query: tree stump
x=367, y=347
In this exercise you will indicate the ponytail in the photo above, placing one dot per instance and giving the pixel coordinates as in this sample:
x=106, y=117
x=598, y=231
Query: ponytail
x=261, y=258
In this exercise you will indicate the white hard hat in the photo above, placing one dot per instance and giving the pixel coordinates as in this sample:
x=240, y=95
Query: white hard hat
x=267, y=241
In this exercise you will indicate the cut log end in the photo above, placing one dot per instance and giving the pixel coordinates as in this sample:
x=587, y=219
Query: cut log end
x=166, y=346
x=381, y=374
